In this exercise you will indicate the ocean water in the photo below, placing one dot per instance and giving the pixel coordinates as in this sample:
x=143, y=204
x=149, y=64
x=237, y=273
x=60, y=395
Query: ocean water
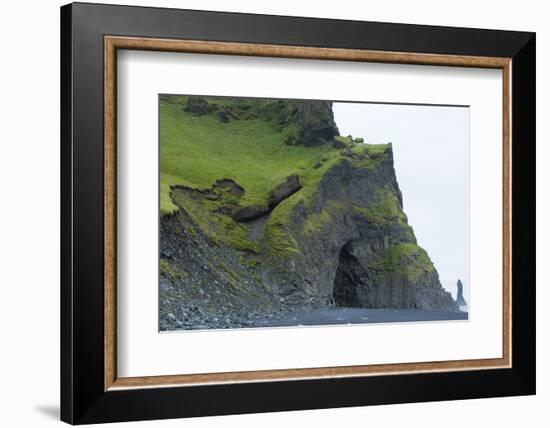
x=337, y=316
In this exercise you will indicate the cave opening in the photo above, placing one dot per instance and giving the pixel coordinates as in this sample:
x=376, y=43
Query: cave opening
x=345, y=280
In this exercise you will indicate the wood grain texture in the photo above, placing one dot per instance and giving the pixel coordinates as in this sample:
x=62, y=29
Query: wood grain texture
x=112, y=43
x=110, y=219
x=507, y=213
x=301, y=52
x=308, y=373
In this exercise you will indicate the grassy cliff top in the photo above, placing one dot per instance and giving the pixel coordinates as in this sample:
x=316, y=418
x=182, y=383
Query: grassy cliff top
x=256, y=143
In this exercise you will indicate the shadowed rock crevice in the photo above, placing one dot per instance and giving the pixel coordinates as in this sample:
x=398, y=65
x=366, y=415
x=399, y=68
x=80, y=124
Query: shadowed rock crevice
x=362, y=282
x=345, y=280
x=277, y=195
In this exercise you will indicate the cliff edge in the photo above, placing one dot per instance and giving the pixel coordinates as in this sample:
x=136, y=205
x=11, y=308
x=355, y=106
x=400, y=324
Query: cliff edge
x=266, y=207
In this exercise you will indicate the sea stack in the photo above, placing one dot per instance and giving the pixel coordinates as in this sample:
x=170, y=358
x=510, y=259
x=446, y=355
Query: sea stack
x=459, y=296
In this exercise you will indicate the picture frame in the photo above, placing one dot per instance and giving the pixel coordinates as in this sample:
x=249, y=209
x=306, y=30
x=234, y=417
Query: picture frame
x=91, y=390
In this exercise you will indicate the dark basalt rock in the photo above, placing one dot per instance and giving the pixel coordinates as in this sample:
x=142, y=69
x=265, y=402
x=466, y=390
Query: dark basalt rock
x=316, y=123
x=313, y=120
x=225, y=115
x=249, y=213
x=355, y=285
x=459, y=296
x=339, y=144
x=197, y=106
x=283, y=191
x=198, y=285
x=357, y=257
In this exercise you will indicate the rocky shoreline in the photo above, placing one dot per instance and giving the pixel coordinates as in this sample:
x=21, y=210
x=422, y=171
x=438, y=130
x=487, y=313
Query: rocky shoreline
x=301, y=316
x=193, y=317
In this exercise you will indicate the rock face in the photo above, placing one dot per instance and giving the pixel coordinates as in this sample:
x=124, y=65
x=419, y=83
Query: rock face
x=283, y=191
x=204, y=285
x=197, y=106
x=351, y=244
x=315, y=123
x=459, y=296
x=312, y=121
x=249, y=213
x=337, y=238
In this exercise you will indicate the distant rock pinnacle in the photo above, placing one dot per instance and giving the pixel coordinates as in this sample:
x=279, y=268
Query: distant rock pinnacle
x=459, y=296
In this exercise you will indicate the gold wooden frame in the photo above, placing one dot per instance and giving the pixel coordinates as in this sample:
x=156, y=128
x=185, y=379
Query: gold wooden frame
x=113, y=43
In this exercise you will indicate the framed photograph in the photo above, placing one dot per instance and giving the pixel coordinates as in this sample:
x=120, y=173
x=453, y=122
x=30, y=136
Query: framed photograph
x=265, y=213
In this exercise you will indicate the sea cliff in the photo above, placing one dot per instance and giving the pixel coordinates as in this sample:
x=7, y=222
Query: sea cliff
x=267, y=210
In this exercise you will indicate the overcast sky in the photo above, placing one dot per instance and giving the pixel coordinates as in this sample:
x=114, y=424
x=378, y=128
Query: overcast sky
x=431, y=158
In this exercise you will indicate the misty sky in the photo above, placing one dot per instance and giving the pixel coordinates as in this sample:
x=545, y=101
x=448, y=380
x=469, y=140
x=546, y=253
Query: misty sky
x=431, y=157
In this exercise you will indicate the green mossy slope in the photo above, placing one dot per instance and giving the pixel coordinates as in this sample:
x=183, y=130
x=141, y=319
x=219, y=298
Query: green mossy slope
x=196, y=150
x=251, y=147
